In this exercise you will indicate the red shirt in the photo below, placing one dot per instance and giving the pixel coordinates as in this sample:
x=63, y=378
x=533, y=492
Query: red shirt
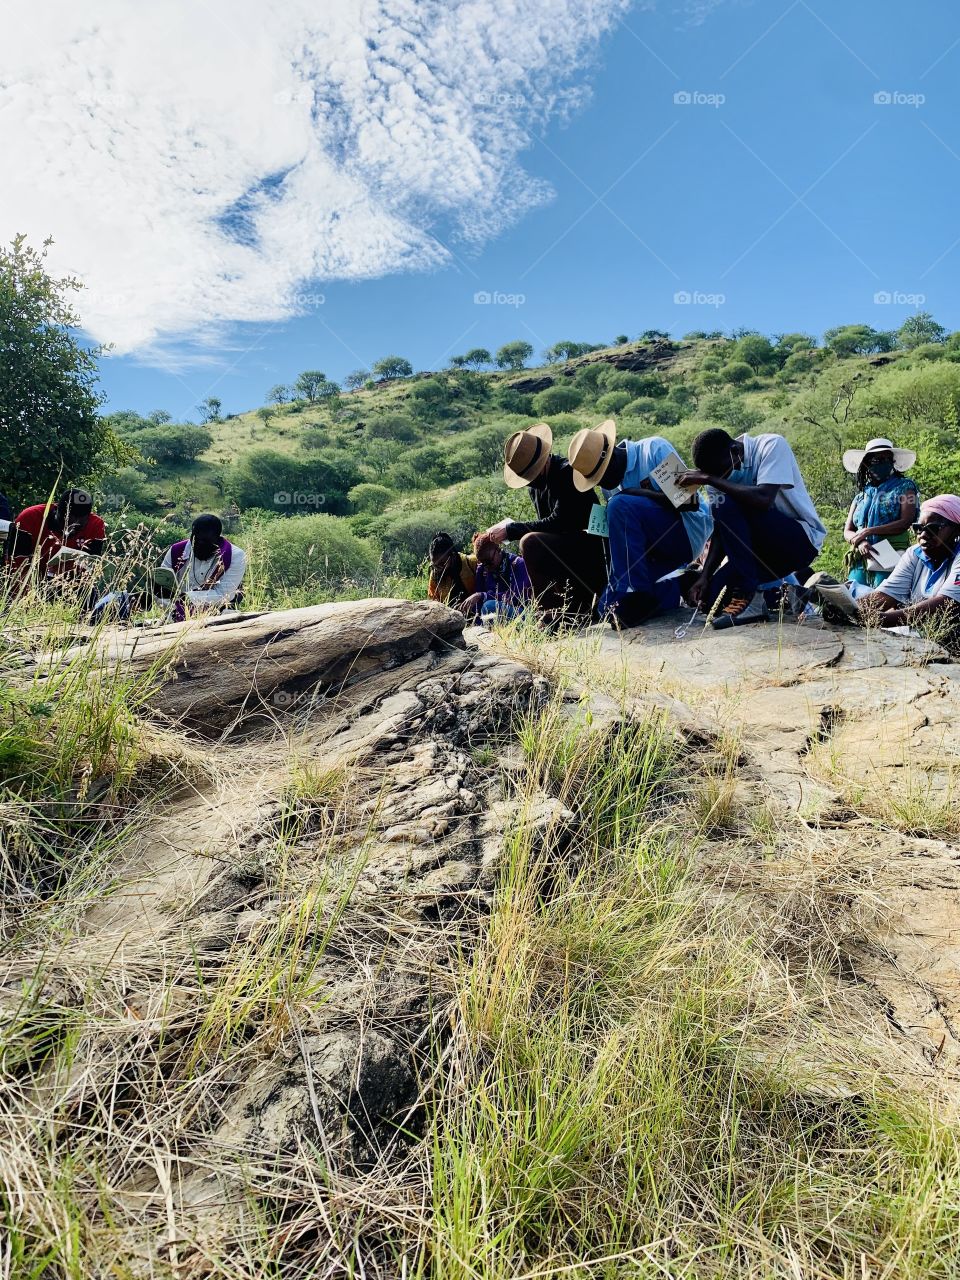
x=46, y=541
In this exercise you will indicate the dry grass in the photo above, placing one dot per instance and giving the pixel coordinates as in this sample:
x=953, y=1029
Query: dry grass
x=605, y=1084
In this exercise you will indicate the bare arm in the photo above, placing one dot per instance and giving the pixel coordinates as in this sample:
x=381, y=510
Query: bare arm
x=759, y=496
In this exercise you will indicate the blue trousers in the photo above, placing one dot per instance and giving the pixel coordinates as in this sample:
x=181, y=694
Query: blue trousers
x=647, y=540
x=760, y=546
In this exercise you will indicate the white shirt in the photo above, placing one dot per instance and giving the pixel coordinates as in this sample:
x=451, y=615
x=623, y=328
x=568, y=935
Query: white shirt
x=768, y=459
x=915, y=579
x=193, y=573
x=642, y=457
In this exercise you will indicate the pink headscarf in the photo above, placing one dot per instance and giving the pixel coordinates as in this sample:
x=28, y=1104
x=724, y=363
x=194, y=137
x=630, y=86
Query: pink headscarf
x=946, y=505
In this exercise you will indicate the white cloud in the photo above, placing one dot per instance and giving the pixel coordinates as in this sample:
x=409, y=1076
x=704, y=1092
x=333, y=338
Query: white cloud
x=197, y=163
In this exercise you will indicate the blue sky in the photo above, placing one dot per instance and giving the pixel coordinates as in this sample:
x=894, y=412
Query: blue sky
x=784, y=195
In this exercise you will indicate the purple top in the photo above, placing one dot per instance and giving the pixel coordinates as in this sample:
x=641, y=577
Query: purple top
x=509, y=584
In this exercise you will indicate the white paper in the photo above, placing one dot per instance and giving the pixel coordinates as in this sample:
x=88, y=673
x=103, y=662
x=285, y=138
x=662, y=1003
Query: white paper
x=665, y=474
x=883, y=555
x=5, y=526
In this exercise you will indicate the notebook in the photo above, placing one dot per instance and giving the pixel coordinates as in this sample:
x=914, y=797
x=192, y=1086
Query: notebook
x=665, y=473
x=884, y=556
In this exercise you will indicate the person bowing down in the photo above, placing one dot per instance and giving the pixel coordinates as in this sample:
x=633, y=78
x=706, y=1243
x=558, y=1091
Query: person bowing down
x=649, y=537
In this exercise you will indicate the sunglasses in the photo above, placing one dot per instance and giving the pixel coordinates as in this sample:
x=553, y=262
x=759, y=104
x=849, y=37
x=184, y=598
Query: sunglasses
x=931, y=526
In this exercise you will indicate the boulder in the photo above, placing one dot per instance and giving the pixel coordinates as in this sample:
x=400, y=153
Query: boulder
x=215, y=671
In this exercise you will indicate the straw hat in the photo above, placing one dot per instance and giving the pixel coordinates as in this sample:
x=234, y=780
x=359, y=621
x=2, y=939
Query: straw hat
x=590, y=452
x=903, y=459
x=526, y=454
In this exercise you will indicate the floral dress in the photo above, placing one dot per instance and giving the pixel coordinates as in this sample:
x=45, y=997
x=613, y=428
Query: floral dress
x=879, y=504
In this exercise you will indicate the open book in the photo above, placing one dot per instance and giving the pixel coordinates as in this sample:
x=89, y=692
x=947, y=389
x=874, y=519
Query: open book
x=69, y=555
x=665, y=474
x=883, y=556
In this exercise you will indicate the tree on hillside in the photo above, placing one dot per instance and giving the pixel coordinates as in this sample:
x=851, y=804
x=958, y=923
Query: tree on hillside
x=431, y=397
x=278, y=394
x=309, y=383
x=477, y=357
x=265, y=413
x=392, y=367
x=620, y=339
x=756, y=351
x=356, y=378
x=857, y=340
x=565, y=350
x=786, y=344
x=514, y=355
x=458, y=362
x=159, y=416
x=50, y=432
x=654, y=335
x=918, y=329
x=210, y=409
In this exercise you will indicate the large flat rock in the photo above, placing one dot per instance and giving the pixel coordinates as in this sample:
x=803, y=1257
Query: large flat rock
x=213, y=672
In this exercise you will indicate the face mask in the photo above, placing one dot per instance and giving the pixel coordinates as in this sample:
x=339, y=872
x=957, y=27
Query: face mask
x=740, y=476
x=880, y=471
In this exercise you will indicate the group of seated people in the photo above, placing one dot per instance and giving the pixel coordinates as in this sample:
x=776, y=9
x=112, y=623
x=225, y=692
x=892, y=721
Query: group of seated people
x=734, y=536
x=58, y=547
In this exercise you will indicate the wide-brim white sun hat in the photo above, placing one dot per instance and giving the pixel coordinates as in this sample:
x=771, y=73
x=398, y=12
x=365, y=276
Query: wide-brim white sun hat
x=903, y=459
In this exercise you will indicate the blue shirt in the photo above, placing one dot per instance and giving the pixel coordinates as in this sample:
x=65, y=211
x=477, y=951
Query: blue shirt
x=915, y=578
x=642, y=457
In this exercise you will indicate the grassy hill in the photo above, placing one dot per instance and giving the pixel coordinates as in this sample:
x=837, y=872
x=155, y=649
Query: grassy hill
x=388, y=464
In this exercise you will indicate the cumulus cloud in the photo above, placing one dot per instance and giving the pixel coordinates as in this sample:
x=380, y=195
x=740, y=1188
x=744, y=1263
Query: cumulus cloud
x=200, y=164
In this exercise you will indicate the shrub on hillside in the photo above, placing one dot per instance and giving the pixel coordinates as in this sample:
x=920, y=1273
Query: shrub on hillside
x=512, y=401
x=371, y=498
x=558, y=399
x=588, y=375
x=638, y=384
x=290, y=485
x=738, y=372
x=430, y=398
x=391, y=426
x=126, y=486
x=642, y=407
x=310, y=550
x=173, y=442
x=613, y=401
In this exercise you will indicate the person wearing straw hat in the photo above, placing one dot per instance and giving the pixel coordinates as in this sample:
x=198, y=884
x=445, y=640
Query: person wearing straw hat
x=567, y=566
x=649, y=537
x=884, y=508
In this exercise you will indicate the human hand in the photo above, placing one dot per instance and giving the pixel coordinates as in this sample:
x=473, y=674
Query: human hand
x=694, y=479
x=697, y=590
x=498, y=532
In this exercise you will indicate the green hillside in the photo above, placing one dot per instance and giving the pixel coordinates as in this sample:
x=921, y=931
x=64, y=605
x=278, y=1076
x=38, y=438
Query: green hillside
x=396, y=459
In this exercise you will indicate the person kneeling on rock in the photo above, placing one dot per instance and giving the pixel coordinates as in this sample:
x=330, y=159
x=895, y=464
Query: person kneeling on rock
x=567, y=565
x=453, y=575
x=649, y=537
x=764, y=522
x=924, y=587
x=502, y=582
